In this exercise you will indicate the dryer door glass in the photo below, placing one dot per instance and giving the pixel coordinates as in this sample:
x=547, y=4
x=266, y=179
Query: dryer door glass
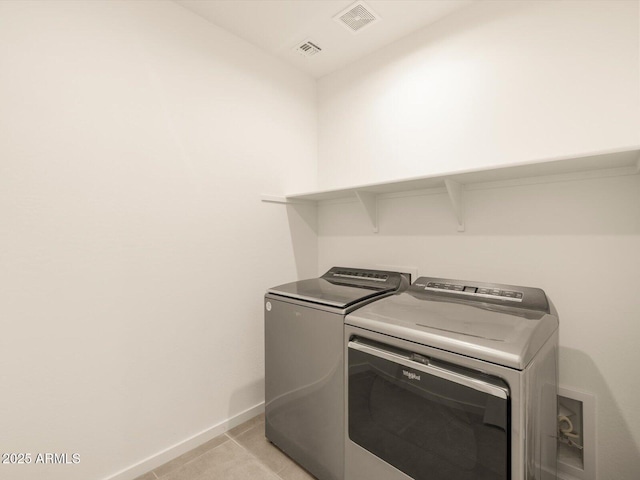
x=428, y=421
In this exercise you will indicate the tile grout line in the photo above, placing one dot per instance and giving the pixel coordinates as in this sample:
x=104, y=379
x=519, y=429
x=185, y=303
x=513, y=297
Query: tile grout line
x=197, y=457
x=228, y=437
x=258, y=459
x=276, y=473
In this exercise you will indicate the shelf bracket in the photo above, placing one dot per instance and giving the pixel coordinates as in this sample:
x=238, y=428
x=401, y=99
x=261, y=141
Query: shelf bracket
x=456, y=191
x=370, y=206
x=284, y=200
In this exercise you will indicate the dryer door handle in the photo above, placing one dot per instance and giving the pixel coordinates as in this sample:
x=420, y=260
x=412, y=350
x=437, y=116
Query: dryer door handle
x=437, y=371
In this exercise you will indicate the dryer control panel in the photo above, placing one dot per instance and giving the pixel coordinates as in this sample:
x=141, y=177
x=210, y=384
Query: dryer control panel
x=516, y=296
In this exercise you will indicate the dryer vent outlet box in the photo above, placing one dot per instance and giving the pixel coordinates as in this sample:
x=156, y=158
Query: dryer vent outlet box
x=357, y=17
x=576, y=435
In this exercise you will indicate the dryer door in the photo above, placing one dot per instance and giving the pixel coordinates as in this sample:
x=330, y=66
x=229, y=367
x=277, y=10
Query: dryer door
x=429, y=420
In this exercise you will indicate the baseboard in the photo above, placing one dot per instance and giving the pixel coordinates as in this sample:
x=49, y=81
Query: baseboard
x=190, y=443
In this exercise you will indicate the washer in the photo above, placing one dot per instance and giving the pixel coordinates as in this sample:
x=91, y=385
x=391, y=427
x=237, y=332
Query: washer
x=452, y=380
x=304, y=362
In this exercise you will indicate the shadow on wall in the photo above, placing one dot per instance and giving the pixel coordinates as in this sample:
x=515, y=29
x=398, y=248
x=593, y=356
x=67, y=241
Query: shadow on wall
x=303, y=219
x=246, y=395
x=600, y=206
x=619, y=457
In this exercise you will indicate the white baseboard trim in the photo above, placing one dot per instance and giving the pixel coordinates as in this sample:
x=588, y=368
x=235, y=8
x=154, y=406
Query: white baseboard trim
x=190, y=443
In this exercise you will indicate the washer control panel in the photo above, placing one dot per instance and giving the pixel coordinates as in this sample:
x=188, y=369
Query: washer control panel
x=362, y=277
x=522, y=297
x=360, y=274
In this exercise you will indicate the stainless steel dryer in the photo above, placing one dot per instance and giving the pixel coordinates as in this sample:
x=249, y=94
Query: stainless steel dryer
x=304, y=362
x=452, y=380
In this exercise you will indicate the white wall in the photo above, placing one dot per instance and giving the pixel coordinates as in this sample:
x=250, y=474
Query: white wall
x=135, y=141
x=136, y=138
x=496, y=83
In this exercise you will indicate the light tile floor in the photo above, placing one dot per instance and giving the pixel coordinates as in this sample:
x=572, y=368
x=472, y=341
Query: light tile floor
x=241, y=453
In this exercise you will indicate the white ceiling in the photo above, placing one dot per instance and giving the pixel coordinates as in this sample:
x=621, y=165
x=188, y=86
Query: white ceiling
x=277, y=26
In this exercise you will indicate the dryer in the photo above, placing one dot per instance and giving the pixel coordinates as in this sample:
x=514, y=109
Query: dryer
x=452, y=380
x=304, y=362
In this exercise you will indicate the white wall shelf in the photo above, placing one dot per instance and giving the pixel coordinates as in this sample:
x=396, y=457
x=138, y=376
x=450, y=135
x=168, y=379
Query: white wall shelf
x=623, y=161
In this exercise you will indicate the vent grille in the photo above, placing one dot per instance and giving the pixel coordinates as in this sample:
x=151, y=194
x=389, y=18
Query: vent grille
x=308, y=48
x=356, y=17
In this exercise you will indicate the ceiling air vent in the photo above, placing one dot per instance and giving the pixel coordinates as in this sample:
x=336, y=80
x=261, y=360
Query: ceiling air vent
x=308, y=48
x=356, y=17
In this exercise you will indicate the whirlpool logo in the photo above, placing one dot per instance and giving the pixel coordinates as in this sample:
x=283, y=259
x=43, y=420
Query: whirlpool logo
x=411, y=375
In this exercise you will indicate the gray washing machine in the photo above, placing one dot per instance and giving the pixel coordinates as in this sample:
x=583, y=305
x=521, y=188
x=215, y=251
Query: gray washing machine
x=452, y=380
x=304, y=362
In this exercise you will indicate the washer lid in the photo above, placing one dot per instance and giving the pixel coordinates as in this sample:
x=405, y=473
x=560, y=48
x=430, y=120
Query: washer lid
x=341, y=287
x=319, y=290
x=505, y=334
